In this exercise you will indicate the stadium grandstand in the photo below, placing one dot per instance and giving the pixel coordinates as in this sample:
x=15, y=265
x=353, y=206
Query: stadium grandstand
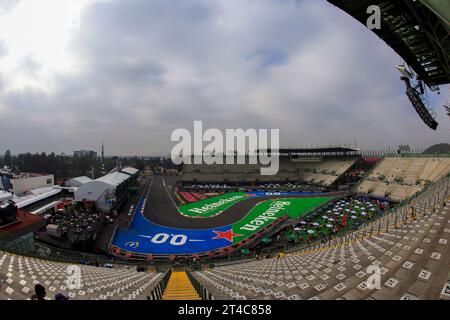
x=333, y=223
x=398, y=178
x=109, y=191
x=320, y=167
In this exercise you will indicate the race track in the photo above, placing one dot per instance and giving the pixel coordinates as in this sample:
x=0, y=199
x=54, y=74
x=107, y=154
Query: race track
x=161, y=208
x=158, y=228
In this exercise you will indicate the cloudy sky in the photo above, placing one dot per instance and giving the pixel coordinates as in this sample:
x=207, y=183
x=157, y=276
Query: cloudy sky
x=136, y=70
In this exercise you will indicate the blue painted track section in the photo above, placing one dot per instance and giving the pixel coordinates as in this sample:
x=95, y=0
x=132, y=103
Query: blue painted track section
x=145, y=237
x=148, y=238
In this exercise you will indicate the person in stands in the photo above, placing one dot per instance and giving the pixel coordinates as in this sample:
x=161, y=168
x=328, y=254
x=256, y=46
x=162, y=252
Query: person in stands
x=39, y=293
x=140, y=268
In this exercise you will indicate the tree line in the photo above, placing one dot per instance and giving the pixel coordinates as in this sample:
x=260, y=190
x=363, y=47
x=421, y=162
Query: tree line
x=65, y=167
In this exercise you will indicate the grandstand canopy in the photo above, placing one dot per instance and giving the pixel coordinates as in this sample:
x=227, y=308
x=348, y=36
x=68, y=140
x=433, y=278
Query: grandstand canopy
x=314, y=151
x=417, y=30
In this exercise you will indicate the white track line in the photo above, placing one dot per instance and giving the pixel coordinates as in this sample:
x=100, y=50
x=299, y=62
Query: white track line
x=173, y=201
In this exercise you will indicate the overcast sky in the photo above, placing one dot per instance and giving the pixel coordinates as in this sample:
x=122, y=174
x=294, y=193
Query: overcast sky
x=138, y=69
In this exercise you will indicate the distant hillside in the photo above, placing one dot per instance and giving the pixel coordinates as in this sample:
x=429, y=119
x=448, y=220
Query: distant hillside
x=438, y=148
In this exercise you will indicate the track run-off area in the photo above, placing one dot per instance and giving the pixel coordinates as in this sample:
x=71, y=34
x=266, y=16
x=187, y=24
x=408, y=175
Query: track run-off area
x=159, y=227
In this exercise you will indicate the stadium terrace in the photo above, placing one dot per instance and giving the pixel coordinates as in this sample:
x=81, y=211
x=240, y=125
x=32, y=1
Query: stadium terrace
x=190, y=149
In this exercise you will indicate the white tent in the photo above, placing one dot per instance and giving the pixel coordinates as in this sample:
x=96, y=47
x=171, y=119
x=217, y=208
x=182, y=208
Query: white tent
x=77, y=182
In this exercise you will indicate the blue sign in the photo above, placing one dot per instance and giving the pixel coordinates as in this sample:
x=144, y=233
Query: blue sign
x=5, y=183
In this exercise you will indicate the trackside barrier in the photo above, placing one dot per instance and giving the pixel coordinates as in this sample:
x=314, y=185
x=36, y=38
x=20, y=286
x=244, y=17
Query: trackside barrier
x=158, y=291
x=202, y=292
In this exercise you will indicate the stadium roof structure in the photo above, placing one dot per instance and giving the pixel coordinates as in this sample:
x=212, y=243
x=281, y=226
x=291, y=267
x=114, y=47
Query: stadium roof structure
x=419, y=31
x=313, y=151
x=316, y=150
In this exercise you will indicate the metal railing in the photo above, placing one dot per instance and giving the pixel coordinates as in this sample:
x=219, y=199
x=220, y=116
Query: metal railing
x=158, y=291
x=423, y=203
x=201, y=290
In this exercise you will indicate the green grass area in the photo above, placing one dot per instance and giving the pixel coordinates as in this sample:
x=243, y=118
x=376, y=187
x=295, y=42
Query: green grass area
x=212, y=206
x=269, y=211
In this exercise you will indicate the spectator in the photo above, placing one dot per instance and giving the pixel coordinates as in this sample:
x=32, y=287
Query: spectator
x=140, y=268
x=39, y=293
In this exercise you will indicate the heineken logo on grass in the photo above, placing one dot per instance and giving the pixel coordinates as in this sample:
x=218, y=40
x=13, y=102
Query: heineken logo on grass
x=211, y=206
x=267, y=216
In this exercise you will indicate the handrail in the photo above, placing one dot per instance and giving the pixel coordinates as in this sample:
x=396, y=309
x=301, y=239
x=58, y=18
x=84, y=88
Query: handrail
x=158, y=291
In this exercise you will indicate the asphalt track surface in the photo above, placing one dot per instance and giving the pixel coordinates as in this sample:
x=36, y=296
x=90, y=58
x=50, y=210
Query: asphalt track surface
x=161, y=208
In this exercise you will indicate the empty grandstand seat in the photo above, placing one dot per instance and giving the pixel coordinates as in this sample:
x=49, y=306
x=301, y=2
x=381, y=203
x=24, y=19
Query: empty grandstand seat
x=406, y=176
x=337, y=269
x=20, y=274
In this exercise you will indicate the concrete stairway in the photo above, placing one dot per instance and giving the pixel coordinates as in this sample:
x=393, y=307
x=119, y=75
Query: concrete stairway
x=180, y=288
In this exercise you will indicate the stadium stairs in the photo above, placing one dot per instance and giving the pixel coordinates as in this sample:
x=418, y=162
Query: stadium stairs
x=180, y=287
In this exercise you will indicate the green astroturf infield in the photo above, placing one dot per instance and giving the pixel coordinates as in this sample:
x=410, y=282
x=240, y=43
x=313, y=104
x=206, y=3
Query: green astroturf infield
x=211, y=206
x=266, y=212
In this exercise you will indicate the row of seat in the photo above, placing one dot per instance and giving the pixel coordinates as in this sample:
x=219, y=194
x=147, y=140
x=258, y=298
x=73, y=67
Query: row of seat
x=19, y=274
x=399, y=178
x=410, y=256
